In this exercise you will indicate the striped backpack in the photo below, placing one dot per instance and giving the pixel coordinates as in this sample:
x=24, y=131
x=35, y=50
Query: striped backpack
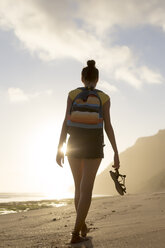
x=86, y=110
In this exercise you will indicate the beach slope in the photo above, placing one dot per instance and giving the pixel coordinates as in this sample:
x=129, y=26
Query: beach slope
x=136, y=220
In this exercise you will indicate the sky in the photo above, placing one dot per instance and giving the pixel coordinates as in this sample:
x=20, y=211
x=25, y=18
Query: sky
x=43, y=47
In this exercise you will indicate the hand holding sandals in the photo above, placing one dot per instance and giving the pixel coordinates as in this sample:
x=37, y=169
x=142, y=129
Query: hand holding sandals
x=116, y=161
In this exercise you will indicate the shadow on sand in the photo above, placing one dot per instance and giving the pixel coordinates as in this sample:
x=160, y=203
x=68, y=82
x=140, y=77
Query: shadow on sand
x=85, y=244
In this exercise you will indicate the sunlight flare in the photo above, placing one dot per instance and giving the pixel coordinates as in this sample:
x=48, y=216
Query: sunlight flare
x=46, y=175
x=63, y=149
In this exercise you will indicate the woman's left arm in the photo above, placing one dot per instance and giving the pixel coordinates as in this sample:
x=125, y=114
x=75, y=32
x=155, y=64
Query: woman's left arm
x=110, y=133
x=60, y=154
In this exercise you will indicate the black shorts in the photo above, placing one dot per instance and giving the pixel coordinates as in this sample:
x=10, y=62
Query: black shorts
x=86, y=144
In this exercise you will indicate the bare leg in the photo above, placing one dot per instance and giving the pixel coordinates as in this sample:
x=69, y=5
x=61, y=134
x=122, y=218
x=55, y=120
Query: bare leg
x=77, y=171
x=90, y=167
x=76, y=166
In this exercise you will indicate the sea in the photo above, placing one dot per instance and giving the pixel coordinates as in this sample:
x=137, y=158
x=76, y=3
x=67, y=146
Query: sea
x=23, y=202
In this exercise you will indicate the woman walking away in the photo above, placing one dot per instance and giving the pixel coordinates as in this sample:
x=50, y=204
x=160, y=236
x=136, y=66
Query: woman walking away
x=87, y=111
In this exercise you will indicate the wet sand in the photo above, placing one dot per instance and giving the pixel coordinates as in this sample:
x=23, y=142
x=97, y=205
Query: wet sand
x=131, y=221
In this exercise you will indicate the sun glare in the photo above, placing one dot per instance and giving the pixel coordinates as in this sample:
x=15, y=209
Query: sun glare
x=46, y=175
x=63, y=149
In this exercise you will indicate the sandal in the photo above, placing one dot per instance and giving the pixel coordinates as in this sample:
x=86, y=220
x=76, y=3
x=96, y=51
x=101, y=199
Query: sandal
x=119, y=184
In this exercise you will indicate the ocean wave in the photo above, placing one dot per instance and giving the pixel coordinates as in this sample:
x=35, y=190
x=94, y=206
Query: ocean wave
x=17, y=207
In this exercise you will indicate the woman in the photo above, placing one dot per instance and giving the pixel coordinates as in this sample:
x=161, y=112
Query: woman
x=85, y=151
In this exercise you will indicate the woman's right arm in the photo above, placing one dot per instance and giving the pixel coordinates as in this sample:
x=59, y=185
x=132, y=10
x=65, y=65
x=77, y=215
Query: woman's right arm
x=110, y=133
x=60, y=154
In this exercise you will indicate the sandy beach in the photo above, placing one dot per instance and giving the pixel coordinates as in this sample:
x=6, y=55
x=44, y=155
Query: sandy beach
x=128, y=221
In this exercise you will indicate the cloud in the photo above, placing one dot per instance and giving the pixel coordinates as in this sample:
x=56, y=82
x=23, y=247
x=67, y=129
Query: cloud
x=149, y=76
x=137, y=76
x=109, y=14
x=17, y=95
x=83, y=30
x=107, y=87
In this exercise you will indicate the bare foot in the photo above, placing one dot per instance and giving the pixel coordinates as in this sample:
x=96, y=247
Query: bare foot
x=76, y=238
x=84, y=230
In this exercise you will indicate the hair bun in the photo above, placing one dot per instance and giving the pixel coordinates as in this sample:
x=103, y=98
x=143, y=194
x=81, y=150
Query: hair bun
x=91, y=63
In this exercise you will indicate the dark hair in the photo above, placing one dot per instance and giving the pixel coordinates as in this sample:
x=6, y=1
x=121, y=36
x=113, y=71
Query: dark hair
x=90, y=73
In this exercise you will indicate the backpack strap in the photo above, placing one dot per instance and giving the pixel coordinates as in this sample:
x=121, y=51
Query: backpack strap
x=86, y=88
x=86, y=91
